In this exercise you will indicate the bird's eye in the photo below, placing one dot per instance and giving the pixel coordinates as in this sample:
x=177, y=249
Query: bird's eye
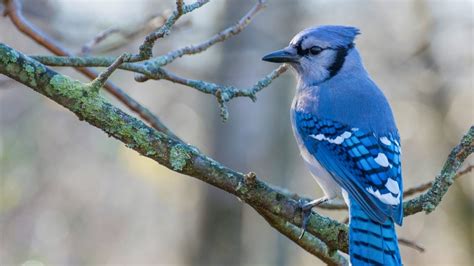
x=315, y=50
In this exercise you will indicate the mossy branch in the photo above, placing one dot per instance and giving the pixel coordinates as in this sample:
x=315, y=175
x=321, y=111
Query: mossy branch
x=91, y=107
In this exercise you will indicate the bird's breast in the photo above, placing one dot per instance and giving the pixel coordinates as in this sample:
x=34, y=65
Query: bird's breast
x=325, y=180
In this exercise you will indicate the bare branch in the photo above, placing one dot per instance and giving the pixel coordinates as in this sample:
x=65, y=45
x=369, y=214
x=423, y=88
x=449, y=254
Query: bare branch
x=145, y=50
x=152, y=69
x=222, y=93
x=87, y=47
x=98, y=82
x=13, y=9
x=180, y=7
x=155, y=64
x=219, y=37
x=423, y=187
x=411, y=244
x=428, y=201
x=116, y=37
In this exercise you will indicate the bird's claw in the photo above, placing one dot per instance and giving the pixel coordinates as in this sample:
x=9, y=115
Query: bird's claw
x=306, y=208
x=305, y=213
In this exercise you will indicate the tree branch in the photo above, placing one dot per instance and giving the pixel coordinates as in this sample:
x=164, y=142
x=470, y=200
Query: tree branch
x=163, y=60
x=152, y=68
x=222, y=93
x=429, y=200
x=411, y=244
x=88, y=105
x=13, y=10
x=100, y=37
x=123, y=35
x=407, y=193
x=146, y=48
x=423, y=187
x=100, y=80
x=308, y=242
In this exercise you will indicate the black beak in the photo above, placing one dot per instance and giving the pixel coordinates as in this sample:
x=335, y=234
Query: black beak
x=286, y=55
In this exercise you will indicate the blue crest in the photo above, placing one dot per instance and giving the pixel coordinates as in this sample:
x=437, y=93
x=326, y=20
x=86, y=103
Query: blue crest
x=335, y=36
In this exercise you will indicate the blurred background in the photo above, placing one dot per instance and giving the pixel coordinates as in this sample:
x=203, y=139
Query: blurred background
x=69, y=195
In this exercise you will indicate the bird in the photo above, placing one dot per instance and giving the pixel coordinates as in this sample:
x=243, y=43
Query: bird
x=348, y=138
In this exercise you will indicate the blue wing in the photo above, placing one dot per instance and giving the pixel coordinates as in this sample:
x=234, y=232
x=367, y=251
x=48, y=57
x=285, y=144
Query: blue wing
x=366, y=165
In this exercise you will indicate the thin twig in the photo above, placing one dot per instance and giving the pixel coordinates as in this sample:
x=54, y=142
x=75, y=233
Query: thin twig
x=98, y=82
x=152, y=69
x=411, y=244
x=87, y=47
x=146, y=48
x=222, y=93
x=127, y=33
x=423, y=187
x=219, y=37
x=407, y=193
x=429, y=200
x=180, y=7
x=14, y=11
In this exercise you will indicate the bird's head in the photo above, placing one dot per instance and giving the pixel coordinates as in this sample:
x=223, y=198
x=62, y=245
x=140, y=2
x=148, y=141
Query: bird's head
x=317, y=53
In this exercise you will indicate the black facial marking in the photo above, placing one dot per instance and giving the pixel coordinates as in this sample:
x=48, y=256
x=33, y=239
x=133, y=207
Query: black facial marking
x=340, y=58
x=299, y=49
x=341, y=54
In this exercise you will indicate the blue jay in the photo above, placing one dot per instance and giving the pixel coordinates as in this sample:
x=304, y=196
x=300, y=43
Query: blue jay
x=347, y=136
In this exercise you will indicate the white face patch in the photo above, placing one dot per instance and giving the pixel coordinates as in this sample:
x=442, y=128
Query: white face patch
x=338, y=140
x=382, y=160
x=385, y=141
x=385, y=198
x=314, y=69
x=392, y=186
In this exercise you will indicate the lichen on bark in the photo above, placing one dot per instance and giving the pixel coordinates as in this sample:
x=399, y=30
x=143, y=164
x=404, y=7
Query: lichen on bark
x=178, y=156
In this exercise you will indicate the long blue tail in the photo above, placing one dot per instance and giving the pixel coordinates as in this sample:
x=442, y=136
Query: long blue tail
x=371, y=243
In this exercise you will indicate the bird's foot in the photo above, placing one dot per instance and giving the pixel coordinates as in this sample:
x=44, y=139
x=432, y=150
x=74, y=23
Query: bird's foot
x=306, y=208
